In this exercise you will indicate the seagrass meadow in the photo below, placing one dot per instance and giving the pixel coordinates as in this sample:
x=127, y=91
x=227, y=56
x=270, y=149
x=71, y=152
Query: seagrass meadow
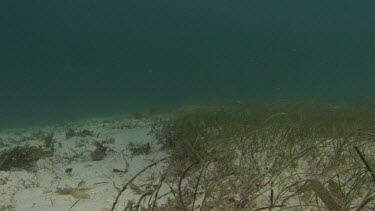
x=283, y=156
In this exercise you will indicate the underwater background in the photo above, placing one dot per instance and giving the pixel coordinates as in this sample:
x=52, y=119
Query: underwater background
x=78, y=58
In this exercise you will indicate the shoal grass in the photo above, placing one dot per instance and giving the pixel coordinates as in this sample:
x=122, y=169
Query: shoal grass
x=266, y=156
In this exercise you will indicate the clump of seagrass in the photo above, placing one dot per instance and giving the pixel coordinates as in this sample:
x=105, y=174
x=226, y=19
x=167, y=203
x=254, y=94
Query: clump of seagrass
x=21, y=158
x=140, y=149
x=193, y=136
x=78, y=192
x=99, y=153
x=80, y=133
x=49, y=144
x=25, y=157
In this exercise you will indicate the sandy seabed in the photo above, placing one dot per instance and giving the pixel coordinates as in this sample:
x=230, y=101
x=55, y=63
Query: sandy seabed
x=71, y=179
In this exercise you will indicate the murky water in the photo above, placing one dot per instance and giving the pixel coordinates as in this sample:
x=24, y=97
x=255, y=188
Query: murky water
x=68, y=59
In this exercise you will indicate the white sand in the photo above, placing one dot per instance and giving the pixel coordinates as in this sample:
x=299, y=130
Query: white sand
x=27, y=190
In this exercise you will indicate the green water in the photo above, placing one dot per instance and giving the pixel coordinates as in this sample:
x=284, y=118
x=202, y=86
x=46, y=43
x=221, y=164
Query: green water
x=75, y=58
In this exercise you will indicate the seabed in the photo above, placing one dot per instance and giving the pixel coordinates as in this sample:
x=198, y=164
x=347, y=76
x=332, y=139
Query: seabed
x=238, y=156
